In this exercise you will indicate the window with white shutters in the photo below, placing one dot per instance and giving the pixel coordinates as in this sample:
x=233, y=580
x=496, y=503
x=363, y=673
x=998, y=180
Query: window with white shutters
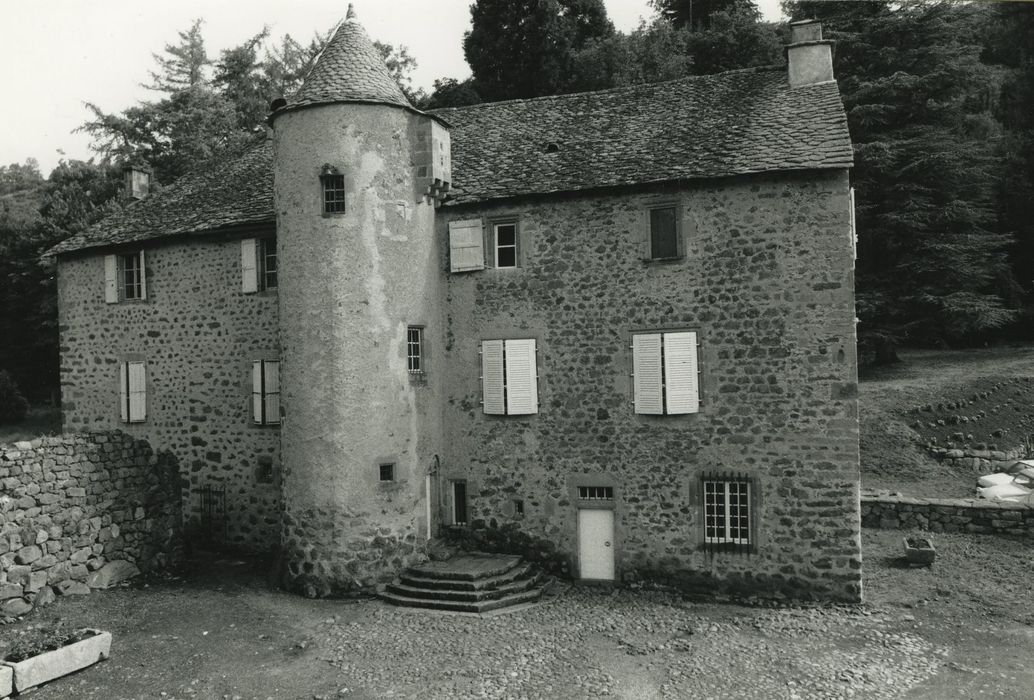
x=133, y=391
x=125, y=277
x=509, y=377
x=665, y=377
x=258, y=264
x=466, y=246
x=265, y=392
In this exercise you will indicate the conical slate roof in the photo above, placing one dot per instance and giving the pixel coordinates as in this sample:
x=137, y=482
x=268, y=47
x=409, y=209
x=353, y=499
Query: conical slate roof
x=350, y=69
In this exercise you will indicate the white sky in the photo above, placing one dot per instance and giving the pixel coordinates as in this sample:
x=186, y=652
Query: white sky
x=57, y=54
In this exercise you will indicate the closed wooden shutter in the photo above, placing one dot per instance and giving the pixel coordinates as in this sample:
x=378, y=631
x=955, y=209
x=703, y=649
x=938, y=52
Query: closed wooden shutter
x=643, y=234
x=492, y=395
x=522, y=396
x=271, y=391
x=466, y=246
x=647, y=380
x=110, y=279
x=681, y=393
x=256, y=391
x=143, y=276
x=249, y=265
x=137, y=392
x=123, y=391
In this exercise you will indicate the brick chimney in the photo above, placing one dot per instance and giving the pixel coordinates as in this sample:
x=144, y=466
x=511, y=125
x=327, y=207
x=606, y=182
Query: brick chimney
x=137, y=181
x=808, y=56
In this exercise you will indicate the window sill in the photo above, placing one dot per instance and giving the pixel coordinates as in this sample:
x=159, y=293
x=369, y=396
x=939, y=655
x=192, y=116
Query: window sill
x=672, y=259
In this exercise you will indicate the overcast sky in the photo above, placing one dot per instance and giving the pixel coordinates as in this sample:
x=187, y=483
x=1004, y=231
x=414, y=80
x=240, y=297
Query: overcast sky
x=57, y=54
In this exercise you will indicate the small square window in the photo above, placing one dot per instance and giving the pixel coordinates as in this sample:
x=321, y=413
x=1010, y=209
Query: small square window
x=415, y=349
x=267, y=263
x=131, y=268
x=387, y=471
x=505, y=235
x=333, y=184
x=664, y=233
x=518, y=507
x=265, y=470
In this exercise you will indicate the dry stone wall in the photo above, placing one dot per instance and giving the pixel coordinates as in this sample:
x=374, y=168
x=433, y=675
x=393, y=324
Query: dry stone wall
x=896, y=512
x=767, y=283
x=198, y=333
x=82, y=511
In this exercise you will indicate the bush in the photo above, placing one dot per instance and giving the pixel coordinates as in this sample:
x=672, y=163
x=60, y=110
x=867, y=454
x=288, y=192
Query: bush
x=12, y=404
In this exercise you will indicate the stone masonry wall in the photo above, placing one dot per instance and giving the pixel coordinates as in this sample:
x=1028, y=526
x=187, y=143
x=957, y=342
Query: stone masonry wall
x=767, y=283
x=199, y=334
x=79, y=511
x=892, y=512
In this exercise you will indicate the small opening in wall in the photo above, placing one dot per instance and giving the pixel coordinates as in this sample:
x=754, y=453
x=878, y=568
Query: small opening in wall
x=388, y=471
x=596, y=493
x=265, y=470
x=552, y=147
x=518, y=507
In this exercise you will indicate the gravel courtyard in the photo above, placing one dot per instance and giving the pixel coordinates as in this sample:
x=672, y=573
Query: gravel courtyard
x=961, y=629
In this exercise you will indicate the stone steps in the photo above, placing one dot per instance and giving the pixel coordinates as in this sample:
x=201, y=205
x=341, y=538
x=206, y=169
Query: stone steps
x=474, y=583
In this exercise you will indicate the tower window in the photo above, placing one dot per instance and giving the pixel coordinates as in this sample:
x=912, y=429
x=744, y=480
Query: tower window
x=415, y=349
x=387, y=471
x=333, y=184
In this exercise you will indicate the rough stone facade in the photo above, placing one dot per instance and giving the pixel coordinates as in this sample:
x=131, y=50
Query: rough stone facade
x=767, y=284
x=198, y=333
x=71, y=505
x=895, y=512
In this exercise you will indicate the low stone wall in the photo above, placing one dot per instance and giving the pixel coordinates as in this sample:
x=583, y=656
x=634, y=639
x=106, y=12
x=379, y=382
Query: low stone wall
x=896, y=512
x=981, y=461
x=82, y=511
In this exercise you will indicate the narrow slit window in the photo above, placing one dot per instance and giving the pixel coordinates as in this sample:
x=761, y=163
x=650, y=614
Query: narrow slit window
x=333, y=183
x=415, y=349
x=267, y=263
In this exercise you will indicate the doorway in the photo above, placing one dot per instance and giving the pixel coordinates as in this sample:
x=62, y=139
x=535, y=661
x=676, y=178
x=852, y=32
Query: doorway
x=596, y=544
x=459, y=503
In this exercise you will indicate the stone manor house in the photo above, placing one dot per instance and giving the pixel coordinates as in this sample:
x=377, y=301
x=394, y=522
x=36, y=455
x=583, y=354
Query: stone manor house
x=623, y=320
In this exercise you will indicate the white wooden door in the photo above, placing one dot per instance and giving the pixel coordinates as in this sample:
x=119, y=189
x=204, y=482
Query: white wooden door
x=596, y=544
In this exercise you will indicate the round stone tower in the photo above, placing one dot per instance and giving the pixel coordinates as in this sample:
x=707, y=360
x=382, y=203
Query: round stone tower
x=357, y=170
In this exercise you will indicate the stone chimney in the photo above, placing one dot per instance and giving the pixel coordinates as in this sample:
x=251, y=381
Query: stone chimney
x=137, y=181
x=809, y=56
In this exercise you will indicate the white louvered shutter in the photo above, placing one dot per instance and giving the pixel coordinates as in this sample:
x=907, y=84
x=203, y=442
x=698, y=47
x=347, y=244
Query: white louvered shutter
x=110, y=279
x=256, y=391
x=682, y=395
x=646, y=366
x=123, y=392
x=137, y=392
x=522, y=395
x=272, y=391
x=466, y=246
x=492, y=377
x=143, y=276
x=249, y=265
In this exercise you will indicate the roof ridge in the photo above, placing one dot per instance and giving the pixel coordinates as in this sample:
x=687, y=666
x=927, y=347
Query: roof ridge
x=621, y=88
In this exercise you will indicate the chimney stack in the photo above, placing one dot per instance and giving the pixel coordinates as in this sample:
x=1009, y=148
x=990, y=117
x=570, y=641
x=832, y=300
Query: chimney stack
x=808, y=56
x=138, y=181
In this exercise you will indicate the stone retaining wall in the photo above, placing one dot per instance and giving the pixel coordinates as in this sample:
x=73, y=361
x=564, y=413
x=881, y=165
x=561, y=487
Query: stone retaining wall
x=980, y=461
x=82, y=511
x=896, y=512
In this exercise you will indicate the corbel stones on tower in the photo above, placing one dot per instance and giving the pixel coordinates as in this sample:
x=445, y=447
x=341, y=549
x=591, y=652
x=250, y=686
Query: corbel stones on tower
x=432, y=159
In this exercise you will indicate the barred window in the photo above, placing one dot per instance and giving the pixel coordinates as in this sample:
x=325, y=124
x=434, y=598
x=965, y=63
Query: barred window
x=596, y=493
x=333, y=183
x=727, y=503
x=415, y=349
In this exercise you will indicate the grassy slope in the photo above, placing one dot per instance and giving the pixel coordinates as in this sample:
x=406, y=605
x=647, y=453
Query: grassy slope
x=900, y=406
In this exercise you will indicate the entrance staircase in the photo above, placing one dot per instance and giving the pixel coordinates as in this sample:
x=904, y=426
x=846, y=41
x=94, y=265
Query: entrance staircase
x=468, y=582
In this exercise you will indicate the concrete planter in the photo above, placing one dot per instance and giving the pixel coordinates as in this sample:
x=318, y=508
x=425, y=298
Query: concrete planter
x=919, y=551
x=60, y=662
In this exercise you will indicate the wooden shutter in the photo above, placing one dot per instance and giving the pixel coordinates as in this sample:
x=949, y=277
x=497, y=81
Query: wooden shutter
x=522, y=396
x=271, y=391
x=110, y=279
x=466, y=246
x=492, y=397
x=123, y=391
x=681, y=393
x=143, y=275
x=256, y=391
x=249, y=265
x=137, y=375
x=643, y=236
x=646, y=366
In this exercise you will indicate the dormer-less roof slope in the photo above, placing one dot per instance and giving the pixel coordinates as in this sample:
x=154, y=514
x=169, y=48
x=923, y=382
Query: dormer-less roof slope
x=350, y=69
x=237, y=192
x=732, y=123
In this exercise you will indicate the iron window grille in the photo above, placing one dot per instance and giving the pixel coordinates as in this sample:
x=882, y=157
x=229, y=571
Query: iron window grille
x=596, y=493
x=333, y=183
x=728, y=517
x=415, y=349
x=387, y=471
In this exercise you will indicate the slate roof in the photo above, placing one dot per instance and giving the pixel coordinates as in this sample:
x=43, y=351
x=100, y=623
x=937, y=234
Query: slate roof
x=732, y=123
x=236, y=192
x=350, y=69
